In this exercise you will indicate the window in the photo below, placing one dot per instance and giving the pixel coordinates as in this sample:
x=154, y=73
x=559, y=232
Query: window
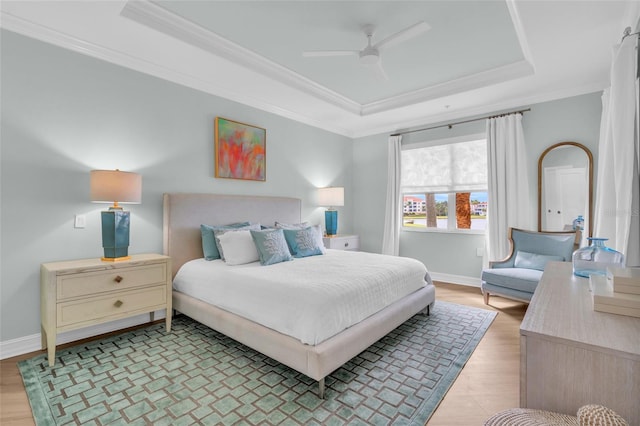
x=444, y=185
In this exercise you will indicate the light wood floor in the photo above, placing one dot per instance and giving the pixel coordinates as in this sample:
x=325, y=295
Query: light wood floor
x=487, y=384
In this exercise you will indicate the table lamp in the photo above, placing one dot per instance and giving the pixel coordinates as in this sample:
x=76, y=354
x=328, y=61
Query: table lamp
x=115, y=186
x=331, y=197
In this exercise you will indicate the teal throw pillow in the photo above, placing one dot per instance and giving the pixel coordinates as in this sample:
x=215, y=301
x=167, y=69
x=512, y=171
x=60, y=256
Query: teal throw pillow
x=304, y=242
x=536, y=261
x=271, y=245
x=209, y=246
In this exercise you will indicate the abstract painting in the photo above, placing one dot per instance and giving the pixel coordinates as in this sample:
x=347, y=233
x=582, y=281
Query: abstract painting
x=240, y=150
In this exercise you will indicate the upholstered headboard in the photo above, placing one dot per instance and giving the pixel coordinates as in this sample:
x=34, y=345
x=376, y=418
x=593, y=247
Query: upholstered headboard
x=184, y=213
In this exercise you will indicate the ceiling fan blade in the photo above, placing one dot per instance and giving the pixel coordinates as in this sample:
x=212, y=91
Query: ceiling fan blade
x=404, y=35
x=378, y=70
x=318, y=53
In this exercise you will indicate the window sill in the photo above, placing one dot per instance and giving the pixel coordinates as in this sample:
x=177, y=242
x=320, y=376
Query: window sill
x=444, y=231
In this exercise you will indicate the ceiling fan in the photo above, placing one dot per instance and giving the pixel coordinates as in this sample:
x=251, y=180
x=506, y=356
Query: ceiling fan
x=370, y=55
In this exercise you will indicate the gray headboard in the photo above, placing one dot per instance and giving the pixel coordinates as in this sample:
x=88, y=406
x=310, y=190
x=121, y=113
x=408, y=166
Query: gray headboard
x=184, y=213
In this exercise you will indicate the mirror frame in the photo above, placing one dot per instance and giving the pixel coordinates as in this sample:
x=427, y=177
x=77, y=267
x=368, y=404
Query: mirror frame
x=590, y=159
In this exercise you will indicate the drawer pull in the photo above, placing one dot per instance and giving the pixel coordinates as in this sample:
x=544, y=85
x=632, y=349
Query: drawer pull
x=118, y=303
x=118, y=279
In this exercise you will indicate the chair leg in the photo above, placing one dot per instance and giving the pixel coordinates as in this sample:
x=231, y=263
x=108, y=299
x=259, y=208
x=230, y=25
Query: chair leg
x=486, y=297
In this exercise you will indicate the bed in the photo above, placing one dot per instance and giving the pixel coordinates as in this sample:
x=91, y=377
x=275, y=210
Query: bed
x=183, y=215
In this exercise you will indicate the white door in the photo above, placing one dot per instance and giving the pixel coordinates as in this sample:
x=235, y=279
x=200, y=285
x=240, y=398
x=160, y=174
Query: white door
x=565, y=197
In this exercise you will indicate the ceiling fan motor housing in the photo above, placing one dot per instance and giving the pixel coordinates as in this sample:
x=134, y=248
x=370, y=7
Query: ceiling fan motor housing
x=369, y=56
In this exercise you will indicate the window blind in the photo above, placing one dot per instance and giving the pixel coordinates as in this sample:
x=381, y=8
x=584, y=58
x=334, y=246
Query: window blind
x=455, y=167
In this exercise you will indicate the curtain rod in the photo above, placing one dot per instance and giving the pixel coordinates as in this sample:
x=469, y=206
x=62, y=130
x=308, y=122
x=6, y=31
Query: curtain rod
x=450, y=125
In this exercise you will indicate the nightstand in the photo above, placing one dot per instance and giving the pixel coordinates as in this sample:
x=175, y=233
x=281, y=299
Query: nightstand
x=81, y=293
x=342, y=242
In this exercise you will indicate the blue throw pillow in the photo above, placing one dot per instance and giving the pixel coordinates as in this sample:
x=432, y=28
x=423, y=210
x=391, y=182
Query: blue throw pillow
x=528, y=260
x=304, y=242
x=209, y=246
x=271, y=245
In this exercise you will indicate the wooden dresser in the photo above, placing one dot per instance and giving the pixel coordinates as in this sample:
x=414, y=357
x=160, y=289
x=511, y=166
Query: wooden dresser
x=571, y=355
x=80, y=293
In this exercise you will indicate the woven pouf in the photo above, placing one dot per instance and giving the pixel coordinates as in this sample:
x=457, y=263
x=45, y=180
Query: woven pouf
x=597, y=415
x=530, y=417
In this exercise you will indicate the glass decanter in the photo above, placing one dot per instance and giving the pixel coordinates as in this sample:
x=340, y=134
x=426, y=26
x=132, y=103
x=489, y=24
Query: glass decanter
x=595, y=258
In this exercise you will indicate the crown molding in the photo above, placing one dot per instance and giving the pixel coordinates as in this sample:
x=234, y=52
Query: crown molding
x=484, y=109
x=30, y=29
x=476, y=81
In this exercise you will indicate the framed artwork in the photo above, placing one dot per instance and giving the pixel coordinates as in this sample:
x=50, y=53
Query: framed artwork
x=240, y=150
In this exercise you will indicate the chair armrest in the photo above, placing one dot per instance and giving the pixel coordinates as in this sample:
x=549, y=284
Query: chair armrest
x=504, y=263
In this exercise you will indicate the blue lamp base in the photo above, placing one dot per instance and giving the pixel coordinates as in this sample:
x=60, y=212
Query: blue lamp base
x=331, y=221
x=115, y=235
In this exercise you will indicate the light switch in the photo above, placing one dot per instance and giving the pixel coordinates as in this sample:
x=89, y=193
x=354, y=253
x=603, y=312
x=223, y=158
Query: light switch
x=80, y=221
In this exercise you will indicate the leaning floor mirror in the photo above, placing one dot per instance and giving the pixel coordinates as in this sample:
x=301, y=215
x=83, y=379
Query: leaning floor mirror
x=565, y=188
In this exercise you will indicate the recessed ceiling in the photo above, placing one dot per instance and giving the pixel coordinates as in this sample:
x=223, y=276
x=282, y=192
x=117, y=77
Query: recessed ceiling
x=457, y=45
x=476, y=57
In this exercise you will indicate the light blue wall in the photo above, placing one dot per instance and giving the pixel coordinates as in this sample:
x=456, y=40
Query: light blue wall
x=572, y=119
x=64, y=114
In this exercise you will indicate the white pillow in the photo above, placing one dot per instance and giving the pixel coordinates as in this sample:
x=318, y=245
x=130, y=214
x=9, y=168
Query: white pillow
x=238, y=247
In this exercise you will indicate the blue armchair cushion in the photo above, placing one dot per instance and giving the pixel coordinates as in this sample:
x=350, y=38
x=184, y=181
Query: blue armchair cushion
x=528, y=260
x=516, y=278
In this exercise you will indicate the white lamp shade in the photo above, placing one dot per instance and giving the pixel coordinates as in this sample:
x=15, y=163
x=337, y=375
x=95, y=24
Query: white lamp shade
x=332, y=196
x=114, y=186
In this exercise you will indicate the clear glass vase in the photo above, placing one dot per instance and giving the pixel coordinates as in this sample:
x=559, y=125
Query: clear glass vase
x=595, y=258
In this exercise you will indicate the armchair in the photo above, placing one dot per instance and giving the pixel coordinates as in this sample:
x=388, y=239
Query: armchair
x=517, y=276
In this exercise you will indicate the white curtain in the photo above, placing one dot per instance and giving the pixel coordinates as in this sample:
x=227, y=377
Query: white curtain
x=617, y=178
x=393, y=212
x=509, y=202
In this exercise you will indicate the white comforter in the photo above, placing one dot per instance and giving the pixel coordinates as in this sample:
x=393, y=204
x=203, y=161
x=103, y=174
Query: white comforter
x=311, y=298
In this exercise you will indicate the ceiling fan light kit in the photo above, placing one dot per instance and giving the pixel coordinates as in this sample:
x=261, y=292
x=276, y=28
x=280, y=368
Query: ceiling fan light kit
x=370, y=55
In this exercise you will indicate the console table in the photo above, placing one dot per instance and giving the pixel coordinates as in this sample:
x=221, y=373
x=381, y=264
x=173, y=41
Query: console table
x=571, y=355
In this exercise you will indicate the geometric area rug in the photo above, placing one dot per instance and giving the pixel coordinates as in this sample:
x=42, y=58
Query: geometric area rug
x=195, y=375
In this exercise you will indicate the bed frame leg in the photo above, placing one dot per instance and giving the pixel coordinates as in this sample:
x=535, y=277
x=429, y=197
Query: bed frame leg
x=321, y=388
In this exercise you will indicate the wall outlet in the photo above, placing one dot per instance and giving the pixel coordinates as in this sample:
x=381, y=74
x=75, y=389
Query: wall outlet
x=79, y=221
x=480, y=251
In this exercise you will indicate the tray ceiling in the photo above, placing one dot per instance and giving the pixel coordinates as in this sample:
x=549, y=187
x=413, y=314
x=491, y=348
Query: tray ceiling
x=476, y=57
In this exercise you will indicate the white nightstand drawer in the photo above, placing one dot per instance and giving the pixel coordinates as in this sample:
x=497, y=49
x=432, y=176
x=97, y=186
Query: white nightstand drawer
x=342, y=242
x=111, y=305
x=91, y=283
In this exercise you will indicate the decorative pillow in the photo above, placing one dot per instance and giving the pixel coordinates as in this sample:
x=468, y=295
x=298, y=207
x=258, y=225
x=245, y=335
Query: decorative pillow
x=219, y=232
x=271, y=245
x=209, y=246
x=237, y=247
x=304, y=242
x=301, y=225
x=534, y=261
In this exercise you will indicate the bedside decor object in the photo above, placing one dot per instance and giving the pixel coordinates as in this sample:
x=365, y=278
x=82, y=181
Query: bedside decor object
x=331, y=197
x=240, y=150
x=115, y=186
x=605, y=299
x=595, y=258
x=625, y=280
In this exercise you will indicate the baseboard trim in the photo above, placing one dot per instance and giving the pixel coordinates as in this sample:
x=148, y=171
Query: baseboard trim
x=455, y=279
x=32, y=343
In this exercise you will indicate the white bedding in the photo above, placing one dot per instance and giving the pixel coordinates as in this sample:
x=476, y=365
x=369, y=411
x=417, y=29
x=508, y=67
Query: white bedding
x=311, y=298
